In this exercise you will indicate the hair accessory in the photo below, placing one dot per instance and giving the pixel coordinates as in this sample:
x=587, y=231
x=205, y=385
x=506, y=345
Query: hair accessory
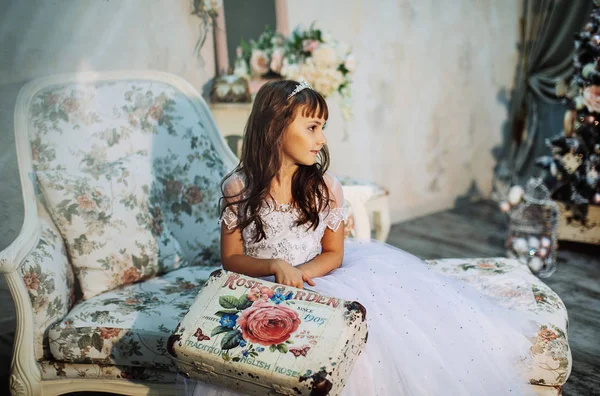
x=303, y=85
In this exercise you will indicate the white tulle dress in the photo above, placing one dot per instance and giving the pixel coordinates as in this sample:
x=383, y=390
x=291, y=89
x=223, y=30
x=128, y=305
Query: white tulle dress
x=428, y=334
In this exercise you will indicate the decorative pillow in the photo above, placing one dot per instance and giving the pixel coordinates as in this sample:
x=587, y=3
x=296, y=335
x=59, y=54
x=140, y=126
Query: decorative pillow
x=114, y=233
x=349, y=226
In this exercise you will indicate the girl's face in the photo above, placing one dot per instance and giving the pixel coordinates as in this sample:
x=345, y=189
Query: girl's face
x=303, y=140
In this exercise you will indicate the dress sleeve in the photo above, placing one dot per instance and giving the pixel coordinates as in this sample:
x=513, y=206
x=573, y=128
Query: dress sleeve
x=337, y=209
x=231, y=189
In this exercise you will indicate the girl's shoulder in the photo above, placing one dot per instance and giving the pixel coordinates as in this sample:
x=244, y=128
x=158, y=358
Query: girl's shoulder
x=335, y=188
x=332, y=182
x=233, y=183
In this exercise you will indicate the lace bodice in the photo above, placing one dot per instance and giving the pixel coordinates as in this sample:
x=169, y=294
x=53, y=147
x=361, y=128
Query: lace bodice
x=285, y=240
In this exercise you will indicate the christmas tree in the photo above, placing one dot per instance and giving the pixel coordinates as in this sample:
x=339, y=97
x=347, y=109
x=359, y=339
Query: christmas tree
x=571, y=169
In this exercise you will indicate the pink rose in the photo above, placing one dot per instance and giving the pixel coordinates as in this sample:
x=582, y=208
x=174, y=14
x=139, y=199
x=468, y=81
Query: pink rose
x=267, y=290
x=309, y=45
x=259, y=62
x=267, y=324
x=591, y=98
x=266, y=293
x=253, y=294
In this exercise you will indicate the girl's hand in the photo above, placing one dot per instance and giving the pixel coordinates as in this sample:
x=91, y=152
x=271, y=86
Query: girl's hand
x=287, y=274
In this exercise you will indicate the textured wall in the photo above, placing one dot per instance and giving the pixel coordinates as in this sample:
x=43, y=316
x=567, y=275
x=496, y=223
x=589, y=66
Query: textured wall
x=39, y=38
x=426, y=93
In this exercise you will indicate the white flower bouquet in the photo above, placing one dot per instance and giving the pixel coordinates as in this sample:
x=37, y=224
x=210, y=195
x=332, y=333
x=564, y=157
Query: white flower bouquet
x=326, y=64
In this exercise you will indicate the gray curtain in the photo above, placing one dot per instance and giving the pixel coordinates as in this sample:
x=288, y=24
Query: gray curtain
x=536, y=113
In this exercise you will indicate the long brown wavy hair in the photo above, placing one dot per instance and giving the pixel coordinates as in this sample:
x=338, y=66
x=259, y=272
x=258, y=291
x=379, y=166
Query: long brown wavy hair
x=260, y=160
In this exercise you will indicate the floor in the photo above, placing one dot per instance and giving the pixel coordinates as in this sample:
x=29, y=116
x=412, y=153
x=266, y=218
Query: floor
x=473, y=230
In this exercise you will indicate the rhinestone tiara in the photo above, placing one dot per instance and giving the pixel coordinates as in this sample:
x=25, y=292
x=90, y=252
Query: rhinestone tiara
x=302, y=85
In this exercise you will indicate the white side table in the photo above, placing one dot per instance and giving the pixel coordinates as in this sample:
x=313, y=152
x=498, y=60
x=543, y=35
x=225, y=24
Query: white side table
x=370, y=206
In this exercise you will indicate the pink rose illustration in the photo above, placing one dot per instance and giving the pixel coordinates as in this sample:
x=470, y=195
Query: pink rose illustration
x=267, y=324
x=253, y=294
x=266, y=293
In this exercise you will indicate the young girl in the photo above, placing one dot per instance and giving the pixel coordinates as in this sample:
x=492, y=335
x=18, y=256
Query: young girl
x=282, y=217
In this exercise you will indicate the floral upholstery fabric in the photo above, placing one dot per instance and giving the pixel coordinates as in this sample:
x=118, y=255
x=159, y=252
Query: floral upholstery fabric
x=109, y=225
x=128, y=326
x=513, y=285
x=83, y=126
x=49, y=281
x=53, y=370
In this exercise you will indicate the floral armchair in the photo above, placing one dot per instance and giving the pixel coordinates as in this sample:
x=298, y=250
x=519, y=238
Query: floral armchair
x=120, y=174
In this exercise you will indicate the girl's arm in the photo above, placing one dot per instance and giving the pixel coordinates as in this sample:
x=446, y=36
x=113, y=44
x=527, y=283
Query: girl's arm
x=233, y=259
x=232, y=248
x=331, y=256
x=332, y=243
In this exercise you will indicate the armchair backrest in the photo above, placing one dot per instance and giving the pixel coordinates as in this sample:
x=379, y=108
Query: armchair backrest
x=84, y=121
